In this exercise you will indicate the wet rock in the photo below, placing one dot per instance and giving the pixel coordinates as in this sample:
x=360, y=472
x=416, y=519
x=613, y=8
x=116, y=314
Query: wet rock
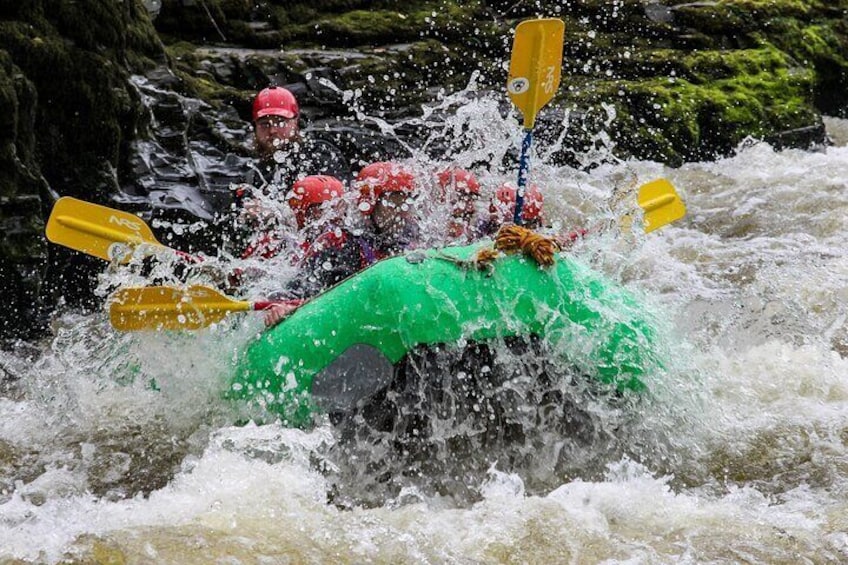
x=63, y=76
x=659, y=13
x=23, y=251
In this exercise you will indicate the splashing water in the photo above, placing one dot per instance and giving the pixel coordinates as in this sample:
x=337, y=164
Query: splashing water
x=120, y=447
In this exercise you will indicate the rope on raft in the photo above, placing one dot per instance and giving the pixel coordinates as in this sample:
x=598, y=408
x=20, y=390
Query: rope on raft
x=512, y=239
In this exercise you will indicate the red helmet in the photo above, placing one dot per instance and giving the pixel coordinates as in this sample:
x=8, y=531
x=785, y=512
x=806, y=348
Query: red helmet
x=314, y=189
x=275, y=101
x=311, y=191
x=459, y=179
x=503, y=203
x=377, y=179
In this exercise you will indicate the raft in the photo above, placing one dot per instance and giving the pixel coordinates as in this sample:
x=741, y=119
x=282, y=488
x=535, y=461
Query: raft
x=341, y=346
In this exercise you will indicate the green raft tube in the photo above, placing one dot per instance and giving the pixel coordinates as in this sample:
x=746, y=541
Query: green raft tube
x=341, y=346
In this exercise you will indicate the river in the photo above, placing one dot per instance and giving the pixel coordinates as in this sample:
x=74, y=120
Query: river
x=741, y=455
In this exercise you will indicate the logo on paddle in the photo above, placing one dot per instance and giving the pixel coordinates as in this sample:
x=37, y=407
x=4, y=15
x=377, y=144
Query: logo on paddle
x=518, y=85
x=125, y=223
x=549, y=85
x=119, y=252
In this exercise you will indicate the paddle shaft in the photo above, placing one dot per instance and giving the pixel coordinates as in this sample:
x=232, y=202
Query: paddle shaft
x=229, y=306
x=523, y=171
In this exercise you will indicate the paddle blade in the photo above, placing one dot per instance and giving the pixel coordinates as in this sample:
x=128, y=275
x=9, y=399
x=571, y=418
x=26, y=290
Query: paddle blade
x=535, y=65
x=170, y=308
x=96, y=230
x=660, y=203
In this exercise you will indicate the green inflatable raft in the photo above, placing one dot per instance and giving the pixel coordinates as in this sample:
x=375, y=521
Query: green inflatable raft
x=341, y=346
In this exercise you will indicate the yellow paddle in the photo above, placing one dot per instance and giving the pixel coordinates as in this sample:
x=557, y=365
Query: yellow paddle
x=171, y=308
x=535, y=67
x=660, y=203
x=98, y=230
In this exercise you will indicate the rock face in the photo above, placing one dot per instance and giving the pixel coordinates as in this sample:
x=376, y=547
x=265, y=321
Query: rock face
x=103, y=102
x=69, y=115
x=22, y=247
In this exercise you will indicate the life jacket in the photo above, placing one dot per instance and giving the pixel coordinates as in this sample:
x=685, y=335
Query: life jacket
x=338, y=239
x=265, y=245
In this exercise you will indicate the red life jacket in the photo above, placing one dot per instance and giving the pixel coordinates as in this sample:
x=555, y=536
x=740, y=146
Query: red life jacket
x=265, y=245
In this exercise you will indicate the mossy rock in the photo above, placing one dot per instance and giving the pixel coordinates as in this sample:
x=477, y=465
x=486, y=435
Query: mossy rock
x=70, y=116
x=822, y=46
x=86, y=112
x=23, y=249
x=707, y=103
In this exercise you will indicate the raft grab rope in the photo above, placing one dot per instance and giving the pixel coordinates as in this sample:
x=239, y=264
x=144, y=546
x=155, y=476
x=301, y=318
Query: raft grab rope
x=510, y=239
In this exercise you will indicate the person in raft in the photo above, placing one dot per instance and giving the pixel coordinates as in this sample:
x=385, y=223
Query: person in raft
x=284, y=155
x=502, y=209
x=318, y=207
x=386, y=200
x=460, y=190
x=332, y=252
x=317, y=204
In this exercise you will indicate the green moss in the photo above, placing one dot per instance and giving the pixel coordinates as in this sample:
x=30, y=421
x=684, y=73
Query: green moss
x=715, y=19
x=293, y=15
x=192, y=21
x=398, y=81
x=212, y=92
x=185, y=62
x=771, y=8
x=336, y=6
x=340, y=22
x=713, y=102
x=823, y=46
x=362, y=27
x=236, y=9
x=371, y=23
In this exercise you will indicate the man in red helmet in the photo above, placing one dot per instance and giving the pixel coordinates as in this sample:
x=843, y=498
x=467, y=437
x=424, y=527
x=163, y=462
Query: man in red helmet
x=285, y=155
x=275, y=120
x=387, y=193
x=460, y=190
x=331, y=252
